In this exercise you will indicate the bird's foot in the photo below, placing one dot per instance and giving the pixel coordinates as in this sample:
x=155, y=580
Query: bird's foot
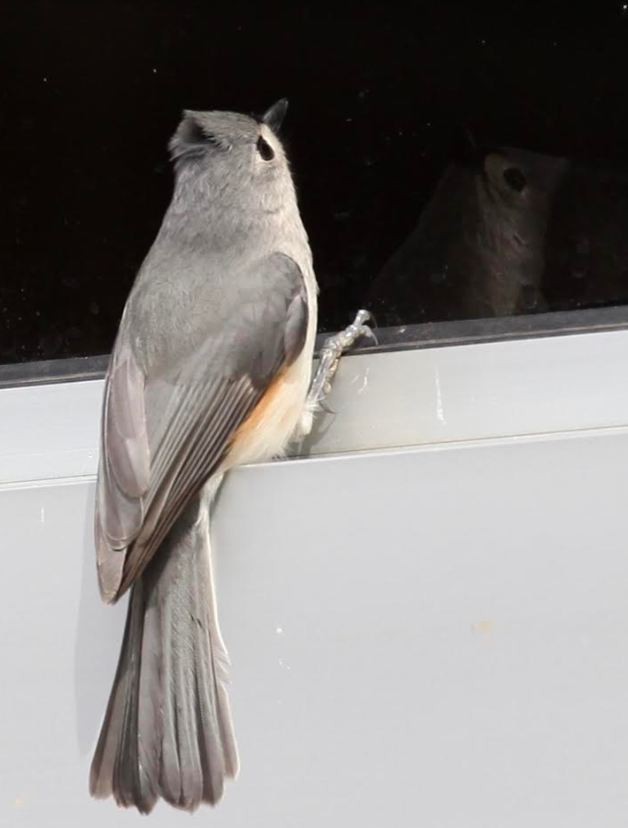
x=333, y=348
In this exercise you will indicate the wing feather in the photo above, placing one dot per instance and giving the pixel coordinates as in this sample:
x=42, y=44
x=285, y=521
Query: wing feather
x=168, y=421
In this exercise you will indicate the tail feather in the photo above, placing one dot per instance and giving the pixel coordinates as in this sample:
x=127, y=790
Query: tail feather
x=167, y=730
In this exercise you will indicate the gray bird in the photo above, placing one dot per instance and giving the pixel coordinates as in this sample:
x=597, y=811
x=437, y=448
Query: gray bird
x=478, y=249
x=210, y=368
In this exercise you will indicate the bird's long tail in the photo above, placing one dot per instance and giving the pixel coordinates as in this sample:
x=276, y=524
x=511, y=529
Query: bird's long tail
x=167, y=730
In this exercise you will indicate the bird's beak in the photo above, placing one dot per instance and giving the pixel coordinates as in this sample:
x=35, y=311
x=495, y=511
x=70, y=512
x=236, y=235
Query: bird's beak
x=273, y=117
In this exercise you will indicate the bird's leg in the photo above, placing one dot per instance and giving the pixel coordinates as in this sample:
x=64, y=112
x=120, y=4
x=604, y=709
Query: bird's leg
x=333, y=348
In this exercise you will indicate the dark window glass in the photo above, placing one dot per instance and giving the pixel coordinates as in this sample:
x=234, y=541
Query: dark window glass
x=453, y=160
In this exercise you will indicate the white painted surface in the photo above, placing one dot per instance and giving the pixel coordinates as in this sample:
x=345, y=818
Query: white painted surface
x=386, y=400
x=453, y=647
x=435, y=636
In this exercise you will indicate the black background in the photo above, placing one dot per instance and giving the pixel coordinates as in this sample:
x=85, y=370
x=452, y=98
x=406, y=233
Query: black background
x=92, y=91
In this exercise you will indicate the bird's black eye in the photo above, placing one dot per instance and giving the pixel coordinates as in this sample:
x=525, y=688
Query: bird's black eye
x=515, y=179
x=265, y=149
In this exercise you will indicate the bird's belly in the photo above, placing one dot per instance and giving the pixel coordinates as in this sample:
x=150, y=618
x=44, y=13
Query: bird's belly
x=268, y=429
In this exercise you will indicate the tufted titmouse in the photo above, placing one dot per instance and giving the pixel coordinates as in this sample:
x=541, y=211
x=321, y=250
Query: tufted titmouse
x=479, y=247
x=210, y=368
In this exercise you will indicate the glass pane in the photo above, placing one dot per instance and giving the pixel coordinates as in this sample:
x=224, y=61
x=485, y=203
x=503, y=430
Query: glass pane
x=459, y=162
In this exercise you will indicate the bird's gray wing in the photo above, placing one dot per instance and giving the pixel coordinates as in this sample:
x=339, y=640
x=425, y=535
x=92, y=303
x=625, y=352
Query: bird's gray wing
x=165, y=429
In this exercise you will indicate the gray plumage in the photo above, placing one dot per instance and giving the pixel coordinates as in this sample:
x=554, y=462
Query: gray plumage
x=223, y=307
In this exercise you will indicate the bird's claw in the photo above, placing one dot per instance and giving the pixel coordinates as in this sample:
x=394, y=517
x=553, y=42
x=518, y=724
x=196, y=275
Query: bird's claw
x=333, y=348
x=343, y=340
